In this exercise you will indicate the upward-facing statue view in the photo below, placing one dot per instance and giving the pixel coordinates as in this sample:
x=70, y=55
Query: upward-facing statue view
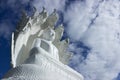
x=38, y=52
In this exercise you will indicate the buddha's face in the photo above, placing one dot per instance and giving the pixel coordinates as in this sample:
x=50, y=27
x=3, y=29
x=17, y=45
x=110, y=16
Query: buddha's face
x=49, y=34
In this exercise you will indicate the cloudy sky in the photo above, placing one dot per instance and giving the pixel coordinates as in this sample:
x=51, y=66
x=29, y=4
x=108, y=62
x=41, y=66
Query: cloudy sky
x=93, y=27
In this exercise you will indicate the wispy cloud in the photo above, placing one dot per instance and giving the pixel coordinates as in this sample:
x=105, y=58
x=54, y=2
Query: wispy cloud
x=97, y=25
x=79, y=17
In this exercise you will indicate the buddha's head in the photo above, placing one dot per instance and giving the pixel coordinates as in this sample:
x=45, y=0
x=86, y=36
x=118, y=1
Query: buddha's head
x=48, y=34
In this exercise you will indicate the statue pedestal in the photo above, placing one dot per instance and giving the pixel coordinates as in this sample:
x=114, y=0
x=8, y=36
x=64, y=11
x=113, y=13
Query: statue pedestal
x=47, y=69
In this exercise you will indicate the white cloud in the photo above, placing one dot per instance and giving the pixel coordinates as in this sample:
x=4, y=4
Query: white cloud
x=103, y=37
x=79, y=16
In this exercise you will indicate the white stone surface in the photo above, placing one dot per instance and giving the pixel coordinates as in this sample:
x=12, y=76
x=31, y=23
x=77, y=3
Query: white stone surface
x=38, y=53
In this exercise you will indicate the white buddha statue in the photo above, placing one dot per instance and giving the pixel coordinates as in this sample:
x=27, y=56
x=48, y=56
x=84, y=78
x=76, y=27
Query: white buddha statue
x=40, y=61
x=39, y=54
x=43, y=46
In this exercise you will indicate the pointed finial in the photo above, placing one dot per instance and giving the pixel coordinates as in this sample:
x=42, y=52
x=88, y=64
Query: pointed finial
x=67, y=40
x=43, y=9
x=34, y=8
x=54, y=11
x=61, y=25
x=34, y=12
x=24, y=14
x=43, y=12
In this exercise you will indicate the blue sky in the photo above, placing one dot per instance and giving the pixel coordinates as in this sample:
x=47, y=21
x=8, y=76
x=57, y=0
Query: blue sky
x=93, y=27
